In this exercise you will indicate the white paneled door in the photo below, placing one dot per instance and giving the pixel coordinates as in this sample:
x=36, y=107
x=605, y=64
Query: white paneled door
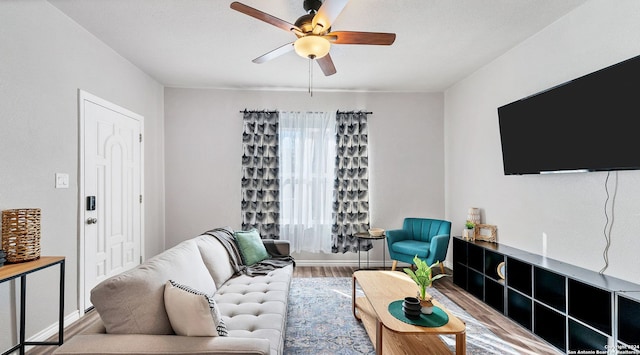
x=110, y=191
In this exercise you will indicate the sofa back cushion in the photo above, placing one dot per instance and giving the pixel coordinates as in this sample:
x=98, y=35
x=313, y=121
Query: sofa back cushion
x=216, y=258
x=423, y=229
x=133, y=301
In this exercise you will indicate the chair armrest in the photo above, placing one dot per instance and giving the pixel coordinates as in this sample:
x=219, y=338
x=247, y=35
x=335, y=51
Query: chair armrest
x=277, y=247
x=162, y=344
x=396, y=235
x=438, y=247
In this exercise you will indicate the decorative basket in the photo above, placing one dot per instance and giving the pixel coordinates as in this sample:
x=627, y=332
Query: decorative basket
x=21, y=234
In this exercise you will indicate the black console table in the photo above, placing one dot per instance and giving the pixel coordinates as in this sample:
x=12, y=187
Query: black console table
x=12, y=271
x=571, y=308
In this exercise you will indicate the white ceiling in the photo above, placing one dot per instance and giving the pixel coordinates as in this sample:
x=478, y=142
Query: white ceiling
x=205, y=44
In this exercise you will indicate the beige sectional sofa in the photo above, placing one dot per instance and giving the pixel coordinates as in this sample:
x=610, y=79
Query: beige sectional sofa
x=133, y=318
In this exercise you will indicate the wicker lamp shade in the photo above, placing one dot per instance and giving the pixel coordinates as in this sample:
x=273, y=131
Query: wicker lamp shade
x=21, y=234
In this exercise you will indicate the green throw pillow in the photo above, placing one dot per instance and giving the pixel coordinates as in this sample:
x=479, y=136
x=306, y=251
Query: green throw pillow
x=251, y=246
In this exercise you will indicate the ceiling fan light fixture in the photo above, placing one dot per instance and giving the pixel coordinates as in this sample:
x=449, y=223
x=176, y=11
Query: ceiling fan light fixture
x=311, y=46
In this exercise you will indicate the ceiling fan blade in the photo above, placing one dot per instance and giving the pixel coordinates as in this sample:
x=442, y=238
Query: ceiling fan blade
x=326, y=64
x=274, y=53
x=263, y=16
x=351, y=37
x=327, y=13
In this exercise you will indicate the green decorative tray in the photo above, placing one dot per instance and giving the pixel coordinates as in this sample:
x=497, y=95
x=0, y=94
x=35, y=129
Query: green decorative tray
x=436, y=319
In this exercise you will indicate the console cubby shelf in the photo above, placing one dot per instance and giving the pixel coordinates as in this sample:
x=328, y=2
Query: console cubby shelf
x=628, y=324
x=571, y=308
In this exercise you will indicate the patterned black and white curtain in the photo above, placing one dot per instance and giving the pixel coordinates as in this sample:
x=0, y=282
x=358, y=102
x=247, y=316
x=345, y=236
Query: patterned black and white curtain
x=351, y=185
x=260, y=183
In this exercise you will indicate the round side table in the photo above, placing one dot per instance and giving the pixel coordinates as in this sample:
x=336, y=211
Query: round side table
x=366, y=236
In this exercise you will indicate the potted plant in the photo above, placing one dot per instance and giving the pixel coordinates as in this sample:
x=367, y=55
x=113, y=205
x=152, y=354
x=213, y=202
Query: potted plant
x=423, y=277
x=469, y=231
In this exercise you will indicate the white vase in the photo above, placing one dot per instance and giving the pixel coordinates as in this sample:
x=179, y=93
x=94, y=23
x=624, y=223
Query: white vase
x=473, y=215
x=426, y=306
x=468, y=234
x=426, y=310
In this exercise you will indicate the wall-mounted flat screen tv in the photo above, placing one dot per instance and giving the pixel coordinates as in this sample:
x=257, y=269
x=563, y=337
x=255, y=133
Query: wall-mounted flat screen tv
x=587, y=124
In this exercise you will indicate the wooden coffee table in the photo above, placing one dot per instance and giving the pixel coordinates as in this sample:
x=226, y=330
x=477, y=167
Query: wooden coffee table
x=383, y=287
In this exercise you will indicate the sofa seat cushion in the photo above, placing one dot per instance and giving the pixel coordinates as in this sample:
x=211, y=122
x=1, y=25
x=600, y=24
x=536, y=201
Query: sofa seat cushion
x=256, y=307
x=411, y=247
x=133, y=302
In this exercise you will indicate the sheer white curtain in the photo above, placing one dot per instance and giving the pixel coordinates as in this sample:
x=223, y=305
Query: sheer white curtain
x=307, y=160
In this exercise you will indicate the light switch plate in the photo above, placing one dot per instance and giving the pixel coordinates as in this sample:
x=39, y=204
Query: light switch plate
x=62, y=181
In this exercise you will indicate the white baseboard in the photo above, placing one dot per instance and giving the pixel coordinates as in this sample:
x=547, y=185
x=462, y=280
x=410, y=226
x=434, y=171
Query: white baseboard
x=52, y=330
x=352, y=263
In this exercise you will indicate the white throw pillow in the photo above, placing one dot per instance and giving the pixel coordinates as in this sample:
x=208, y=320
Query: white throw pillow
x=191, y=312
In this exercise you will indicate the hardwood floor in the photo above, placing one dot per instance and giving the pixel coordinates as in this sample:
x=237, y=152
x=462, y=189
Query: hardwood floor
x=521, y=339
x=508, y=331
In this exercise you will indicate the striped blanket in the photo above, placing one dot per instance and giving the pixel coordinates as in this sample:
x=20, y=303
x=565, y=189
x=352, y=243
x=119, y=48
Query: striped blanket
x=276, y=260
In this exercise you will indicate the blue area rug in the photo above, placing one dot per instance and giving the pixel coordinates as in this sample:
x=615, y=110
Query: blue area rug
x=320, y=321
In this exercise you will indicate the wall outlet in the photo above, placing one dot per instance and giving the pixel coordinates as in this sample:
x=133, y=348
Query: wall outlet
x=62, y=181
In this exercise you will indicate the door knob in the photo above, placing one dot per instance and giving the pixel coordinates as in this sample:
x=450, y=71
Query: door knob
x=92, y=220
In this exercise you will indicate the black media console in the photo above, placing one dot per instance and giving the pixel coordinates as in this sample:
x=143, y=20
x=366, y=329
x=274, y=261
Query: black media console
x=574, y=309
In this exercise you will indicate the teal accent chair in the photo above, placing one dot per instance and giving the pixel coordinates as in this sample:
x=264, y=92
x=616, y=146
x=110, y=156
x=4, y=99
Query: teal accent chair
x=427, y=238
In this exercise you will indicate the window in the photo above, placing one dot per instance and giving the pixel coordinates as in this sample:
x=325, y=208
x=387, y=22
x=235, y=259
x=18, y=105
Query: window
x=307, y=159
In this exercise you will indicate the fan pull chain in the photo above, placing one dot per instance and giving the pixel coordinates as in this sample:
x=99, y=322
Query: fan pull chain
x=311, y=76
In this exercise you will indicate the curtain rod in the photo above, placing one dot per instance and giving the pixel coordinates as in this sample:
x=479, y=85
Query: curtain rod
x=365, y=112
x=274, y=111
x=255, y=111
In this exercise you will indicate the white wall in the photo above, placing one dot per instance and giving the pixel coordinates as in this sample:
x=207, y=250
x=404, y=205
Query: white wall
x=44, y=59
x=566, y=208
x=203, y=149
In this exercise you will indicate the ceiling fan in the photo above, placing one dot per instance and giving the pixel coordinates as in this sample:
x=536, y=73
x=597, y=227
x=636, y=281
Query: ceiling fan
x=314, y=32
